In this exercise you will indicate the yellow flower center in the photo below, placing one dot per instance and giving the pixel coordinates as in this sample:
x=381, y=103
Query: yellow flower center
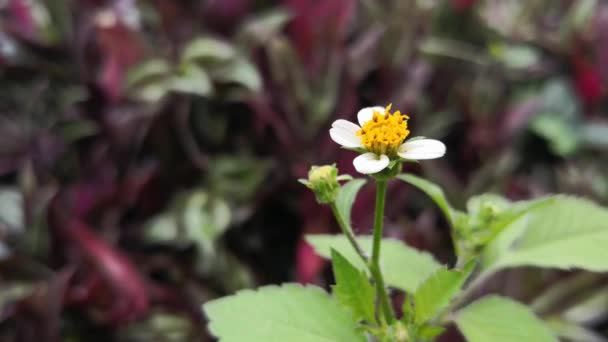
x=385, y=132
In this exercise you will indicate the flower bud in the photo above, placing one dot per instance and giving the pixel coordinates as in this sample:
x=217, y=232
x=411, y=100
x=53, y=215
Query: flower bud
x=323, y=180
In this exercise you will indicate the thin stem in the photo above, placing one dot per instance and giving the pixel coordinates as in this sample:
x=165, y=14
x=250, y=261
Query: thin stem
x=381, y=293
x=348, y=232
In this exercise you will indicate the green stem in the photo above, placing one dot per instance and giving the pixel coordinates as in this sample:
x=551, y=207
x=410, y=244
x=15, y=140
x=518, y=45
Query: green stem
x=374, y=268
x=348, y=232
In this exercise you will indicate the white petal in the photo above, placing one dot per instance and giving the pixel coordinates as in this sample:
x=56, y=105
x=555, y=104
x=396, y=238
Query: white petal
x=370, y=163
x=421, y=149
x=365, y=114
x=345, y=133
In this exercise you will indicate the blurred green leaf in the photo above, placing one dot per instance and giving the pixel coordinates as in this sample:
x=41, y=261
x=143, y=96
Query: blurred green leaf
x=591, y=310
x=346, y=197
x=237, y=177
x=192, y=79
x=72, y=130
x=499, y=319
x=451, y=48
x=148, y=71
x=205, y=219
x=353, y=288
x=404, y=267
x=159, y=326
x=595, y=134
x=437, y=291
x=207, y=49
x=562, y=136
x=196, y=218
x=11, y=211
x=263, y=26
x=240, y=72
x=573, y=332
x=290, y=312
x=515, y=56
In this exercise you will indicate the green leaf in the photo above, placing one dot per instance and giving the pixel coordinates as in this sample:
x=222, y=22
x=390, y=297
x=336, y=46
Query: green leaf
x=353, y=288
x=346, y=197
x=541, y=237
x=288, y=313
x=148, y=71
x=434, y=192
x=573, y=332
x=430, y=332
x=207, y=49
x=499, y=319
x=515, y=56
x=563, y=136
x=404, y=267
x=436, y=292
x=264, y=26
x=239, y=71
x=192, y=79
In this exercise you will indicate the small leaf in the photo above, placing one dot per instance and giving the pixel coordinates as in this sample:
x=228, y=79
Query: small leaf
x=288, y=313
x=573, y=332
x=207, y=49
x=239, y=71
x=434, y=192
x=540, y=237
x=346, y=197
x=404, y=267
x=515, y=56
x=353, y=288
x=436, y=292
x=563, y=136
x=192, y=79
x=262, y=27
x=499, y=319
x=430, y=332
x=148, y=71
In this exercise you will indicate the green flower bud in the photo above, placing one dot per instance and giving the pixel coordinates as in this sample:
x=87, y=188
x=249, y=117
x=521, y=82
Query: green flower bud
x=400, y=333
x=323, y=181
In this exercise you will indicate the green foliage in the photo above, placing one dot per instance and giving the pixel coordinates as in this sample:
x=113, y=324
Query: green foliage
x=353, y=288
x=346, y=198
x=436, y=292
x=404, y=267
x=208, y=50
x=564, y=233
x=192, y=79
x=288, y=313
x=500, y=319
x=203, y=62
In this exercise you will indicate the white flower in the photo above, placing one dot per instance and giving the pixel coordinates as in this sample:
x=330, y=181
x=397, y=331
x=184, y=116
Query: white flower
x=382, y=135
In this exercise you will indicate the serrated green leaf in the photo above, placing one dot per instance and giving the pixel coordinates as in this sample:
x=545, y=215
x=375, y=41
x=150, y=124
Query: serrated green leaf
x=541, y=237
x=291, y=312
x=346, y=197
x=192, y=79
x=434, y=192
x=436, y=292
x=353, y=288
x=403, y=267
x=207, y=49
x=500, y=319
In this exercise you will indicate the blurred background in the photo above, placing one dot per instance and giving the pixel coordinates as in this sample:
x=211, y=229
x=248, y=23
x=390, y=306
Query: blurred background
x=149, y=150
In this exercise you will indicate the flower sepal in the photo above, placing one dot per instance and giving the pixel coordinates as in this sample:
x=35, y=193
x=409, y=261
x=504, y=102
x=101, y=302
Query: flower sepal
x=392, y=170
